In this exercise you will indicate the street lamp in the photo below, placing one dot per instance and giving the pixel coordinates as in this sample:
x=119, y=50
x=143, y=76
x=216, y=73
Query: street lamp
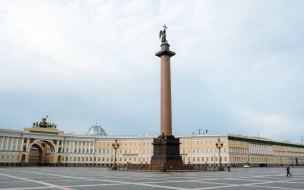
x=115, y=145
x=219, y=145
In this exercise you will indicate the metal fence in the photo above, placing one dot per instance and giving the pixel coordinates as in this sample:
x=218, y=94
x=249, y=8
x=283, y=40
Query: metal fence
x=184, y=168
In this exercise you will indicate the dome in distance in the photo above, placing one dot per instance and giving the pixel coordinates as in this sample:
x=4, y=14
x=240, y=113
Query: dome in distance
x=96, y=130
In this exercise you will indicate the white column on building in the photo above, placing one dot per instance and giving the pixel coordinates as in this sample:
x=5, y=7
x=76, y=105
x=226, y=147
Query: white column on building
x=73, y=147
x=2, y=143
x=85, y=147
x=65, y=146
x=17, y=143
x=27, y=144
x=21, y=146
x=69, y=146
x=12, y=144
x=89, y=147
x=57, y=145
x=6, y=143
x=94, y=147
x=261, y=149
x=77, y=146
x=81, y=147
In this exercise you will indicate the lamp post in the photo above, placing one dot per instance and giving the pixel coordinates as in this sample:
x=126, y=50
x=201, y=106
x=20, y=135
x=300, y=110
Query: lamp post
x=115, y=146
x=248, y=160
x=219, y=145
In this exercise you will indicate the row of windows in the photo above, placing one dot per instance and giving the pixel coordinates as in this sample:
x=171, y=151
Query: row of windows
x=126, y=151
x=199, y=142
x=9, y=147
x=75, y=142
x=204, y=159
x=9, y=158
x=106, y=143
x=238, y=143
x=203, y=150
x=103, y=159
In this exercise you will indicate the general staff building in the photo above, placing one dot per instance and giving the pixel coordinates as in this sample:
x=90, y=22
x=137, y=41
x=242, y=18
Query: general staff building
x=52, y=147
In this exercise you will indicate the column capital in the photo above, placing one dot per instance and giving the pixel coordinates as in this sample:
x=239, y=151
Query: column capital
x=165, y=50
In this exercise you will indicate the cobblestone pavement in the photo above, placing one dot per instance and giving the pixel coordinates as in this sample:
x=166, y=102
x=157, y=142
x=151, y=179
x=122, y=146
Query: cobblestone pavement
x=101, y=178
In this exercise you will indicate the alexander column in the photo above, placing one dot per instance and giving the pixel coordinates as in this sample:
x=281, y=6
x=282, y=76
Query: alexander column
x=166, y=147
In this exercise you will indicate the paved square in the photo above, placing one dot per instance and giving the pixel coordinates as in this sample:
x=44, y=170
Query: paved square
x=101, y=178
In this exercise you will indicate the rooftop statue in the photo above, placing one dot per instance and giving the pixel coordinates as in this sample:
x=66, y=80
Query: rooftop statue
x=44, y=124
x=162, y=34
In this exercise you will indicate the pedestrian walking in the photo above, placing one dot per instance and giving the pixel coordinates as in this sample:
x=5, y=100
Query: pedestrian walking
x=229, y=168
x=288, y=169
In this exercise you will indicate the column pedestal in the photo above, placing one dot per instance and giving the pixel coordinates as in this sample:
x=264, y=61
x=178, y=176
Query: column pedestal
x=166, y=153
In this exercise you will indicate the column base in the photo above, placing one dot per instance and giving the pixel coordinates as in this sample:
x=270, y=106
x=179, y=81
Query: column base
x=166, y=153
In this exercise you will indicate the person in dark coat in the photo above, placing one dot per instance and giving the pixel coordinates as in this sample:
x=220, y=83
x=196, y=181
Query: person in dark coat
x=288, y=169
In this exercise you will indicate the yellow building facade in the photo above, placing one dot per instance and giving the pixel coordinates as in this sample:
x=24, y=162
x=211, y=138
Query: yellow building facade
x=49, y=146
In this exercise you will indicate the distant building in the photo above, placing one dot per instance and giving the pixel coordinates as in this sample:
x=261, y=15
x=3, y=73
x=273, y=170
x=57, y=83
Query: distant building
x=46, y=145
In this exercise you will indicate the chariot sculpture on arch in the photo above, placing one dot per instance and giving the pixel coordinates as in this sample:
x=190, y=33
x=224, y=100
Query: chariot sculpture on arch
x=44, y=124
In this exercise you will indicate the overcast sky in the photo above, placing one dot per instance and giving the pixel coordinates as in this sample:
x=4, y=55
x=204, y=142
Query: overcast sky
x=239, y=66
